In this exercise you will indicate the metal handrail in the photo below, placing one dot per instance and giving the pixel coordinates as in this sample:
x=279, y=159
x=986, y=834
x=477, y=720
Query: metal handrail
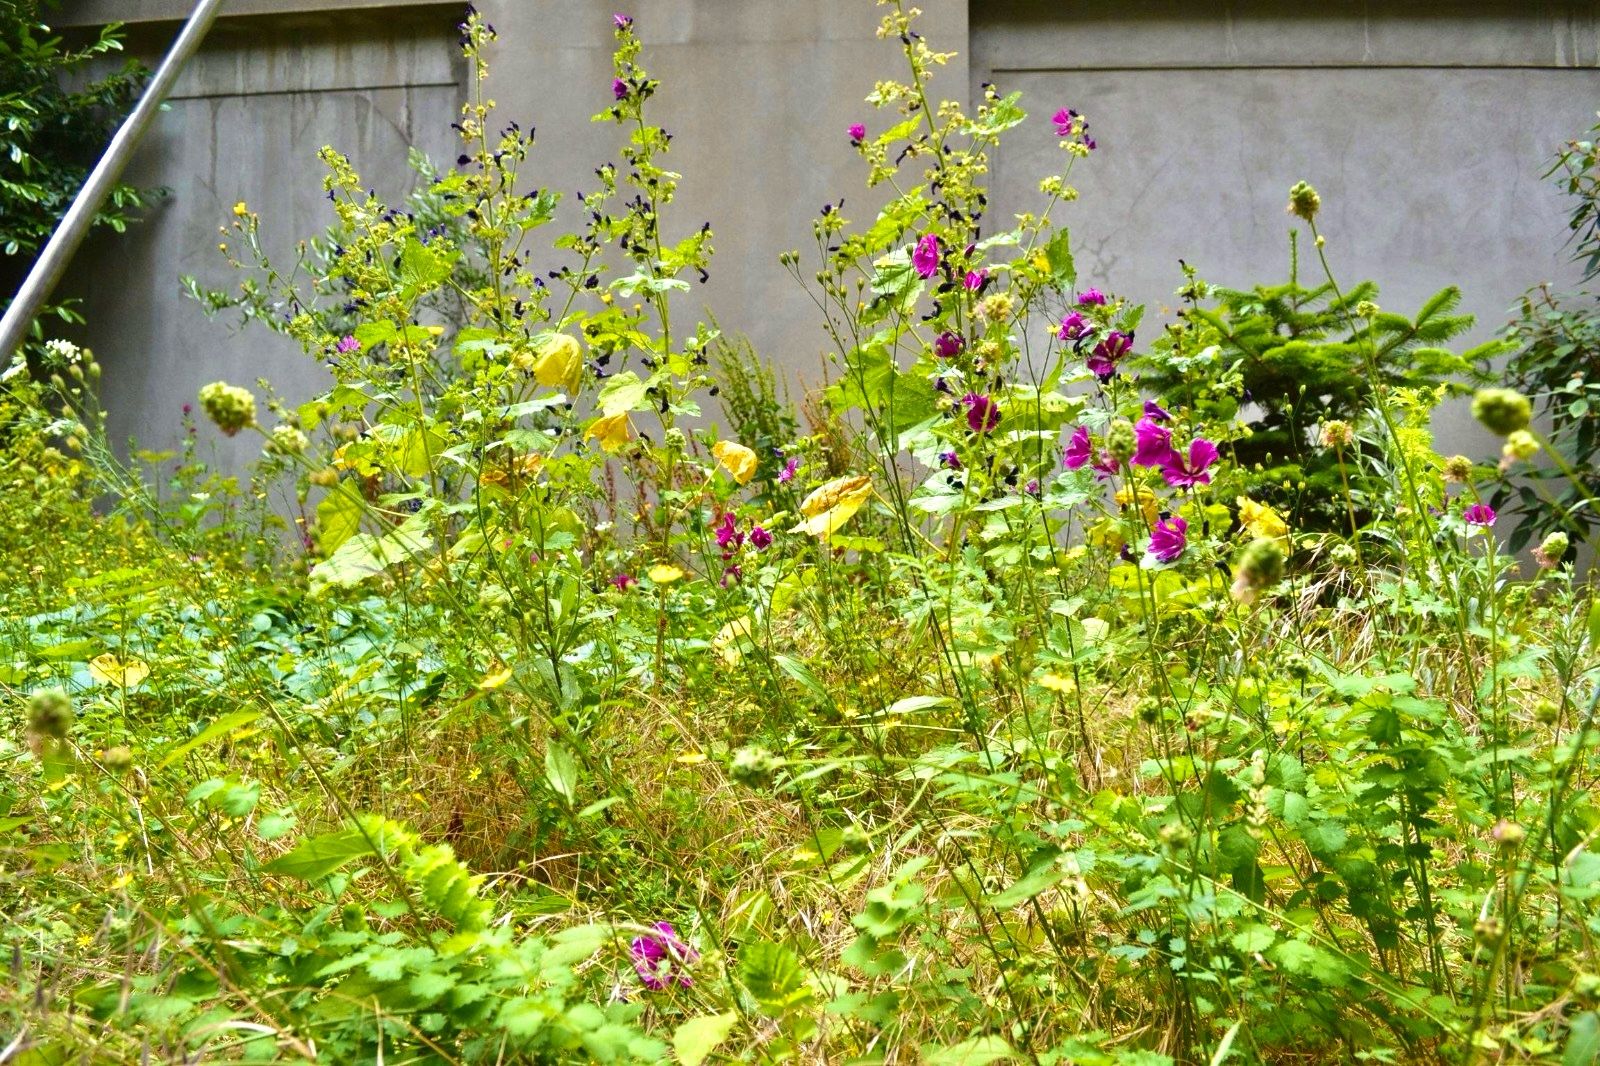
x=75, y=224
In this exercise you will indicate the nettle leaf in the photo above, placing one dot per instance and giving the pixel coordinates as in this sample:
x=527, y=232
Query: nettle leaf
x=773, y=975
x=1058, y=254
x=1029, y=886
x=561, y=770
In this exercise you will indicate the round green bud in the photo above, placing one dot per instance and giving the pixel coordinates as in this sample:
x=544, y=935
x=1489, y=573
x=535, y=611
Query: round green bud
x=50, y=713
x=1121, y=440
x=1502, y=411
x=1304, y=201
x=228, y=406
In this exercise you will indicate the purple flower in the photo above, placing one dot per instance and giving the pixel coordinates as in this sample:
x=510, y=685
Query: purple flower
x=1063, y=120
x=728, y=535
x=1153, y=444
x=1182, y=472
x=926, y=256
x=1091, y=298
x=975, y=279
x=950, y=459
x=660, y=958
x=1169, y=539
x=619, y=88
x=733, y=574
x=622, y=581
x=1103, y=360
x=1079, y=449
x=983, y=414
x=1479, y=514
x=1073, y=327
x=621, y=22
x=760, y=539
x=347, y=345
x=1155, y=411
x=786, y=475
x=857, y=132
x=1032, y=487
x=948, y=345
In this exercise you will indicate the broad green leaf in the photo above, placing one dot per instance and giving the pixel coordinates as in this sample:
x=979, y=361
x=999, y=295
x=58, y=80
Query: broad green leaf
x=697, y=1038
x=316, y=858
x=623, y=392
x=979, y=1051
x=561, y=770
x=211, y=733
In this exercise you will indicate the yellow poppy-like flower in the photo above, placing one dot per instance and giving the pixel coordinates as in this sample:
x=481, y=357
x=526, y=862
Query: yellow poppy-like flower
x=435, y=331
x=833, y=504
x=1148, y=503
x=108, y=669
x=612, y=431
x=241, y=209
x=739, y=460
x=1259, y=520
x=1056, y=683
x=664, y=573
x=559, y=363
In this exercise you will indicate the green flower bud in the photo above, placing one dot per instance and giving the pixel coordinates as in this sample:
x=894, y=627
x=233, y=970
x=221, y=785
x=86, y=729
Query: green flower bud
x=1552, y=550
x=1502, y=411
x=1508, y=834
x=1259, y=567
x=753, y=765
x=1304, y=201
x=287, y=440
x=117, y=760
x=229, y=406
x=50, y=714
x=1121, y=441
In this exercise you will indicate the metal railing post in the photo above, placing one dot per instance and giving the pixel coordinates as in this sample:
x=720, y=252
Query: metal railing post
x=75, y=224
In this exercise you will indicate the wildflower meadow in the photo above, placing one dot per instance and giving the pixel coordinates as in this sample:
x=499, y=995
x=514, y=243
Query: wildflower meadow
x=1058, y=682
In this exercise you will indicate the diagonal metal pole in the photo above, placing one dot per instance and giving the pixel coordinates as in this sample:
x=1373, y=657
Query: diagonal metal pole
x=75, y=224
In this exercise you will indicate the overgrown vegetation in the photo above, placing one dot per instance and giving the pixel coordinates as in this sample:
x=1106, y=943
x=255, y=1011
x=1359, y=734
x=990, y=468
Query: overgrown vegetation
x=999, y=716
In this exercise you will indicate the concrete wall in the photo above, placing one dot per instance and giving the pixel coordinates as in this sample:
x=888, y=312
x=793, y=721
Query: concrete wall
x=1425, y=126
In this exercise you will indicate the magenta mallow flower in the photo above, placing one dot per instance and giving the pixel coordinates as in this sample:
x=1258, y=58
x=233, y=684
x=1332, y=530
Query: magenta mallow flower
x=1186, y=471
x=975, y=279
x=1479, y=514
x=1155, y=411
x=786, y=475
x=950, y=460
x=1169, y=538
x=619, y=88
x=983, y=414
x=1102, y=361
x=1063, y=120
x=347, y=344
x=622, y=22
x=1073, y=327
x=760, y=539
x=1080, y=452
x=926, y=256
x=857, y=132
x=623, y=581
x=661, y=959
x=1152, y=443
x=1091, y=298
x=948, y=345
x=727, y=532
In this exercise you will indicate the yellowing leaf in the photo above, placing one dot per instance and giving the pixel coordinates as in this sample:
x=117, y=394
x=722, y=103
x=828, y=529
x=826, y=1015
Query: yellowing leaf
x=107, y=669
x=739, y=460
x=727, y=639
x=495, y=679
x=558, y=363
x=612, y=431
x=833, y=504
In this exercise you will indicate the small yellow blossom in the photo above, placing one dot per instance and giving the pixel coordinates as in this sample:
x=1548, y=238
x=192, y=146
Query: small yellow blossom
x=241, y=209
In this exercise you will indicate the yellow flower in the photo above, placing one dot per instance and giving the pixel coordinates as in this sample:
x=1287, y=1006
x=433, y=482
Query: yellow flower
x=1259, y=520
x=833, y=504
x=739, y=460
x=1148, y=503
x=241, y=209
x=612, y=431
x=558, y=363
x=664, y=573
x=435, y=331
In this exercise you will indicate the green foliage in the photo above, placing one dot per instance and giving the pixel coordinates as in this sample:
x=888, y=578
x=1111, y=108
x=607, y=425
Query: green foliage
x=1009, y=723
x=1285, y=360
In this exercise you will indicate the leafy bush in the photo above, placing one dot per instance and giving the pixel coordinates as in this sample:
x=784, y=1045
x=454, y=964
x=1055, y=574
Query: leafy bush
x=1004, y=719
